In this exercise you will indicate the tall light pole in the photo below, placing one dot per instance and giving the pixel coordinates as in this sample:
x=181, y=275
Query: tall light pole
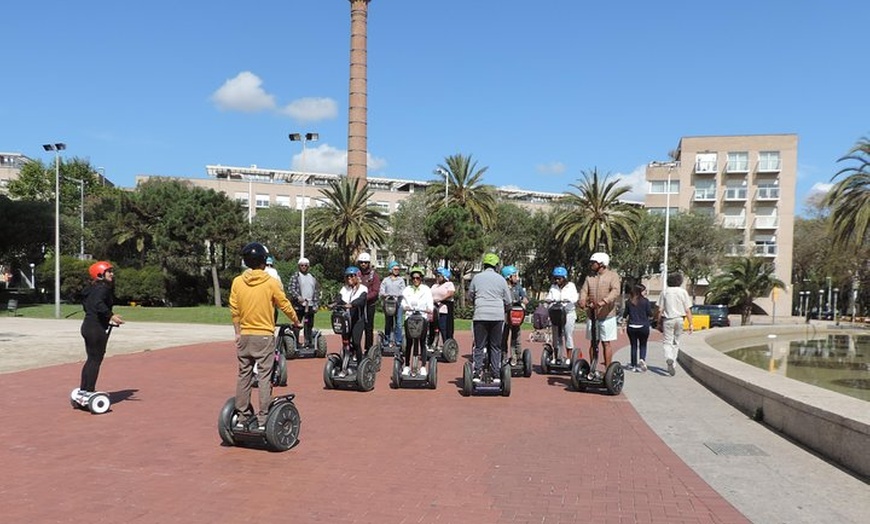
x=446, y=176
x=670, y=166
x=81, y=184
x=57, y=148
x=299, y=137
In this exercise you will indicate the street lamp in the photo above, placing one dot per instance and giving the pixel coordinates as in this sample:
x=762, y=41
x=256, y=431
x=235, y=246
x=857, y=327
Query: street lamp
x=446, y=176
x=670, y=166
x=299, y=137
x=821, y=300
x=32, y=276
x=81, y=184
x=836, y=299
x=57, y=148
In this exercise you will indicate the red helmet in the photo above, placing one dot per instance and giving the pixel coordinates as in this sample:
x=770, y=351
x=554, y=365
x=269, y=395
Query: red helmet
x=98, y=268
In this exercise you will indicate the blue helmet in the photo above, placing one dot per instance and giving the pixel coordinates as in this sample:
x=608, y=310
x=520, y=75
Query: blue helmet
x=392, y=264
x=508, y=271
x=444, y=272
x=560, y=271
x=351, y=270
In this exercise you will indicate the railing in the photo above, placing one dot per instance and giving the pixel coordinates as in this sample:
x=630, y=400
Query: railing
x=734, y=222
x=735, y=193
x=736, y=251
x=737, y=166
x=765, y=250
x=705, y=195
x=766, y=222
x=705, y=166
x=769, y=165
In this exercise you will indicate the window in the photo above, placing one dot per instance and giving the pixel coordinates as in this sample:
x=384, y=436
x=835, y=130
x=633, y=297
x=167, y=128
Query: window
x=767, y=192
x=738, y=162
x=769, y=161
x=241, y=197
x=705, y=190
x=659, y=187
x=735, y=192
x=262, y=201
x=300, y=201
x=383, y=207
x=660, y=211
x=705, y=162
x=282, y=201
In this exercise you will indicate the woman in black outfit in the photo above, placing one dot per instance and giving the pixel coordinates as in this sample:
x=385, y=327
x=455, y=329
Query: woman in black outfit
x=638, y=312
x=97, y=301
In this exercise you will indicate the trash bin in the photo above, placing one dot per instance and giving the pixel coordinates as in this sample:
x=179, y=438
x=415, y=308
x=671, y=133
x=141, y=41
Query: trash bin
x=12, y=306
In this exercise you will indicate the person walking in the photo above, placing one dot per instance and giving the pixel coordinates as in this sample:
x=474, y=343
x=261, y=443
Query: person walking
x=491, y=297
x=304, y=291
x=675, y=305
x=599, y=295
x=636, y=317
x=370, y=279
x=392, y=286
x=253, y=296
x=97, y=301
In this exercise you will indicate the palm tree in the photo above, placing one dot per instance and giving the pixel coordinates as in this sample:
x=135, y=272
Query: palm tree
x=594, y=215
x=849, y=199
x=347, y=219
x=465, y=189
x=743, y=280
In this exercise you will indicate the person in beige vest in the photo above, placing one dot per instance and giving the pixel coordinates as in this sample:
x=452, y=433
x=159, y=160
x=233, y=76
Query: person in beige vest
x=599, y=295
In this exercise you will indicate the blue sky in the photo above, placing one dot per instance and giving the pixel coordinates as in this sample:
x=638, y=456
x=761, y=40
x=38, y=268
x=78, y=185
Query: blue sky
x=536, y=91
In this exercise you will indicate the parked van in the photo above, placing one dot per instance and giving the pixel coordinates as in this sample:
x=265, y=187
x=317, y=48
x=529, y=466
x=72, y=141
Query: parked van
x=718, y=314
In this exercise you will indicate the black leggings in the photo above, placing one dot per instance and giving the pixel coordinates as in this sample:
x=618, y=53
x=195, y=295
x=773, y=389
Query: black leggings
x=96, y=339
x=416, y=346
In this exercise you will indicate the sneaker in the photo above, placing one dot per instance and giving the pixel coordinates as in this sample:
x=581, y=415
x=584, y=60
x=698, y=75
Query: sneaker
x=496, y=381
x=342, y=374
x=476, y=378
x=642, y=365
x=513, y=361
x=636, y=369
x=671, y=369
x=406, y=371
x=423, y=371
x=567, y=361
x=628, y=367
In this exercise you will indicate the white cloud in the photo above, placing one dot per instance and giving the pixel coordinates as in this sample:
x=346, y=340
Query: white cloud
x=327, y=159
x=311, y=109
x=821, y=187
x=551, y=168
x=637, y=181
x=243, y=93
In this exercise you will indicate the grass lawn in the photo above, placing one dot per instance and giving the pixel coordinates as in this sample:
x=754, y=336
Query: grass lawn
x=184, y=315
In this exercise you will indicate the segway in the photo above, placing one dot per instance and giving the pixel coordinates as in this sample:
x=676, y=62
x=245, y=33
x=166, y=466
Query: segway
x=443, y=350
x=289, y=338
x=519, y=360
x=342, y=370
x=278, y=378
x=585, y=375
x=280, y=433
x=488, y=383
x=415, y=329
x=386, y=341
x=552, y=356
x=97, y=402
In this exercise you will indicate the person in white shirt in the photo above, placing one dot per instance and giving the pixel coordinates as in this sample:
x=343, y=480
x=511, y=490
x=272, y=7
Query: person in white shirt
x=674, y=305
x=565, y=291
x=416, y=297
x=352, y=296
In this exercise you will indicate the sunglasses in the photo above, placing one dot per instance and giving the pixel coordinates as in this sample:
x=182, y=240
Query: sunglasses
x=416, y=277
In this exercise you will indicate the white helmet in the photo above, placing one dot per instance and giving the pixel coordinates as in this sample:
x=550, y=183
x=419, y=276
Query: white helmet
x=601, y=258
x=364, y=257
x=303, y=261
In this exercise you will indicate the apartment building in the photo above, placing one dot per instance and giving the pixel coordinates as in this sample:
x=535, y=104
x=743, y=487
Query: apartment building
x=748, y=183
x=10, y=166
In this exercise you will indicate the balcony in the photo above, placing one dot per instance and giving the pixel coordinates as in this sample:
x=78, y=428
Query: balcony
x=769, y=165
x=765, y=250
x=766, y=222
x=735, y=193
x=738, y=250
x=737, y=166
x=767, y=193
x=734, y=222
x=705, y=195
x=706, y=167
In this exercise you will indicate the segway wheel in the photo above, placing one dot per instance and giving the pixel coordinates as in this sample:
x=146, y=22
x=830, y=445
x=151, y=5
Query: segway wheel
x=374, y=354
x=433, y=373
x=467, y=376
x=450, y=351
x=333, y=361
x=320, y=352
x=225, y=422
x=614, y=378
x=72, y=399
x=579, y=371
x=546, y=355
x=365, y=374
x=99, y=403
x=575, y=354
x=527, y=363
x=279, y=372
x=397, y=373
x=282, y=426
x=289, y=344
x=506, y=381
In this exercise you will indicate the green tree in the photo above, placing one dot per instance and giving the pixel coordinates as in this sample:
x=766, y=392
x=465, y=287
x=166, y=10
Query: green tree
x=697, y=246
x=595, y=216
x=347, y=219
x=407, y=225
x=452, y=235
x=511, y=235
x=466, y=189
x=849, y=199
x=743, y=280
x=28, y=226
x=278, y=228
x=640, y=258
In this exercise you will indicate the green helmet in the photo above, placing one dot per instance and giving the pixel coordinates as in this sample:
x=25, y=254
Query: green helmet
x=416, y=269
x=490, y=259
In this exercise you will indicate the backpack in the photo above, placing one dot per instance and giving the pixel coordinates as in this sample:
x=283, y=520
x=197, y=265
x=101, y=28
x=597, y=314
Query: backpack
x=541, y=317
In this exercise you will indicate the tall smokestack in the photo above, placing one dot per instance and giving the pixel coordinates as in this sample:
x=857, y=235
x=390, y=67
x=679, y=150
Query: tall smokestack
x=357, y=120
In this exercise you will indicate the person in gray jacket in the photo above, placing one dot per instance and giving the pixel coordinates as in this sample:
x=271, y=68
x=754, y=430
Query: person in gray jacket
x=491, y=297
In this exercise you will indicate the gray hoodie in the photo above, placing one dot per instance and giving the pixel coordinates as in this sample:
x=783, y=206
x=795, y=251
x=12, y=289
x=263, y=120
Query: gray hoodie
x=491, y=295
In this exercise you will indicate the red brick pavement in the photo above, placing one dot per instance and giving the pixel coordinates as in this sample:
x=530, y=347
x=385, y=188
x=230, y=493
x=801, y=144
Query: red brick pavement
x=545, y=454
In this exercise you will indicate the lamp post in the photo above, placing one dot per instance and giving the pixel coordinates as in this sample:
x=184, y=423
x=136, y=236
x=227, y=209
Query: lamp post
x=446, y=176
x=33, y=276
x=836, y=299
x=81, y=184
x=57, y=148
x=821, y=301
x=299, y=137
x=670, y=166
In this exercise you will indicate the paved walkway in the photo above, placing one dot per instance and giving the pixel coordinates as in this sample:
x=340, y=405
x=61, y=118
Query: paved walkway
x=544, y=454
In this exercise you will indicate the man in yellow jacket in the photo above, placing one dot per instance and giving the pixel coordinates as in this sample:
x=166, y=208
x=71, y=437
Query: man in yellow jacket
x=253, y=297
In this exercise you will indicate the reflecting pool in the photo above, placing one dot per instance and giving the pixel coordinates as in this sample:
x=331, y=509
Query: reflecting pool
x=837, y=361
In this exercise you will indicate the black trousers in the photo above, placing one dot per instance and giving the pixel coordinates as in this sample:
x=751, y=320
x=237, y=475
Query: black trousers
x=96, y=339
